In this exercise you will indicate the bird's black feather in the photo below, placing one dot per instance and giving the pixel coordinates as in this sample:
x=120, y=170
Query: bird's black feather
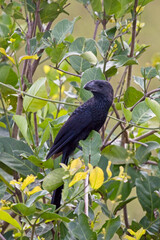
x=89, y=116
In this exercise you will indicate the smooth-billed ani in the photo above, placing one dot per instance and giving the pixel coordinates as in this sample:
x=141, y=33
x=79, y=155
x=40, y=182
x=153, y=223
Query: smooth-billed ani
x=89, y=116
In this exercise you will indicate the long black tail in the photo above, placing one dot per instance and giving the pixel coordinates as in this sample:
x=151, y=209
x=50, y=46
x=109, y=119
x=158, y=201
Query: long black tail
x=56, y=197
x=57, y=194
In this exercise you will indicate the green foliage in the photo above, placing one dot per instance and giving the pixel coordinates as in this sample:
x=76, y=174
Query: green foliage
x=122, y=158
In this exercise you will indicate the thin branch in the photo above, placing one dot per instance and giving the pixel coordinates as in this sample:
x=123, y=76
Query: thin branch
x=32, y=96
x=134, y=141
x=69, y=73
x=145, y=135
x=5, y=113
x=1, y=237
x=147, y=95
x=133, y=41
x=106, y=143
x=125, y=216
x=121, y=82
x=96, y=29
x=36, y=129
x=86, y=185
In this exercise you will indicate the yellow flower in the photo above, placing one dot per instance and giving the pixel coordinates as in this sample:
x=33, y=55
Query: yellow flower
x=136, y=235
x=75, y=165
x=64, y=166
x=12, y=40
x=78, y=176
x=34, y=190
x=2, y=50
x=139, y=9
x=46, y=69
x=15, y=183
x=90, y=167
x=28, y=180
x=112, y=20
x=108, y=170
x=122, y=176
x=5, y=204
x=96, y=178
x=28, y=57
x=140, y=24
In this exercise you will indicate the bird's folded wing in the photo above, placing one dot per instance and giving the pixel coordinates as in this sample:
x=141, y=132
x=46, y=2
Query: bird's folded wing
x=75, y=126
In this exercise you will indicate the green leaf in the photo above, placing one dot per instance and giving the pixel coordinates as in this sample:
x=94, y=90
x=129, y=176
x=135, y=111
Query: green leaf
x=23, y=209
x=3, y=188
x=54, y=217
x=96, y=5
x=81, y=45
x=148, y=72
x=54, y=179
x=31, y=6
x=151, y=226
x=45, y=136
x=132, y=96
x=116, y=154
x=22, y=125
x=122, y=204
x=103, y=45
x=4, y=30
x=90, y=57
x=141, y=113
x=3, y=125
x=38, y=89
x=50, y=11
x=81, y=228
x=122, y=60
x=4, y=216
x=91, y=148
x=62, y=29
x=139, y=81
x=142, y=153
x=127, y=113
x=90, y=74
x=57, y=54
x=10, y=151
x=35, y=197
x=8, y=76
x=111, y=226
x=147, y=197
x=154, y=106
x=112, y=6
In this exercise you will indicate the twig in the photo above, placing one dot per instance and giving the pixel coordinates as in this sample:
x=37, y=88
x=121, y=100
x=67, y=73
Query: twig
x=125, y=216
x=133, y=41
x=32, y=96
x=61, y=70
x=86, y=190
x=122, y=80
x=36, y=129
x=147, y=95
x=1, y=237
x=96, y=28
x=134, y=141
x=5, y=113
x=106, y=143
x=144, y=135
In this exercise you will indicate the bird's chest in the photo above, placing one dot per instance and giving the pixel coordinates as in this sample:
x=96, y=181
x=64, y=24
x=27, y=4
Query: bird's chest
x=99, y=114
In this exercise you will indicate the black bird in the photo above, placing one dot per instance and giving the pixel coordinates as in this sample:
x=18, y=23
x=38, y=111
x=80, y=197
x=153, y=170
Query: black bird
x=89, y=116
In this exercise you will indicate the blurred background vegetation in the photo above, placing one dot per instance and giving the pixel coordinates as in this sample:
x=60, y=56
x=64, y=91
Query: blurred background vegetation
x=150, y=34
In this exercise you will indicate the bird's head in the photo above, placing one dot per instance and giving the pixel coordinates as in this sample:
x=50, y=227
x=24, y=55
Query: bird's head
x=100, y=87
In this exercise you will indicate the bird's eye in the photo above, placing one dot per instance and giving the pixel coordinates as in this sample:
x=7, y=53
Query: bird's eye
x=100, y=85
